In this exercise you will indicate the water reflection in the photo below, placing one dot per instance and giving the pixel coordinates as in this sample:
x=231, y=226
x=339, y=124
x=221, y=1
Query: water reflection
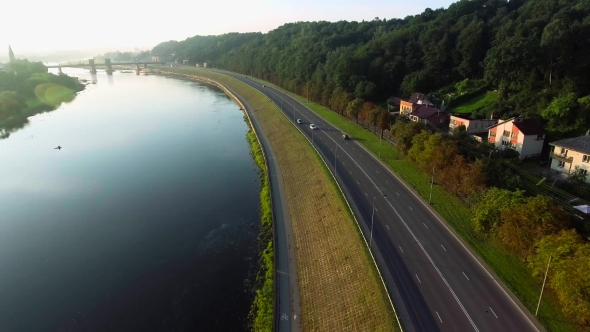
x=145, y=220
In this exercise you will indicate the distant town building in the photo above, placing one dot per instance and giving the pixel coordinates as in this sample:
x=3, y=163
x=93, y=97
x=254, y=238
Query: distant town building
x=204, y=64
x=11, y=54
x=526, y=136
x=569, y=154
x=198, y=65
x=161, y=58
x=185, y=62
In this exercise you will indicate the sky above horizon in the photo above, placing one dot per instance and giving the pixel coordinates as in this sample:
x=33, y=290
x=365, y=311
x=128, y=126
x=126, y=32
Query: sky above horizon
x=37, y=27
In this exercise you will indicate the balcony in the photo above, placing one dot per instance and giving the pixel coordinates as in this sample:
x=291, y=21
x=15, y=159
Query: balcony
x=561, y=157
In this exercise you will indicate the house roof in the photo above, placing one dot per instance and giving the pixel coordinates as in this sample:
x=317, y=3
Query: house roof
x=526, y=126
x=463, y=116
x=417, y=96
x=580, y=144
x=424, y=112
x=530, y=127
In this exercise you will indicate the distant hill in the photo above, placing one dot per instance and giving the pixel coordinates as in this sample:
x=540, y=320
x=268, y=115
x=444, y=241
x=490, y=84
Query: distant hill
x=533, y=53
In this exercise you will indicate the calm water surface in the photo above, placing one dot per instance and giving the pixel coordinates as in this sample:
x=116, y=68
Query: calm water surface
x=146, y=220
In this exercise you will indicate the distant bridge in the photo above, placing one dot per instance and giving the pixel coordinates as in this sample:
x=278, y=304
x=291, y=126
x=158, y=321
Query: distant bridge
x=107, y=62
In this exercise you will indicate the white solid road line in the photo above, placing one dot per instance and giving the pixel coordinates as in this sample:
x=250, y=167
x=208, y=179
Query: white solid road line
x=419, y=244
x=443, y=247
x=438, y=316
x=493, y=312
x=424, y=225
x=465, y=275
x=400, y=248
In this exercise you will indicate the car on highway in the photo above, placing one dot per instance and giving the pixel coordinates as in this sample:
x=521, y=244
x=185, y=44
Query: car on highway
x=299, y=121
x=313, y=127
x=264, y=86
x=345, y=137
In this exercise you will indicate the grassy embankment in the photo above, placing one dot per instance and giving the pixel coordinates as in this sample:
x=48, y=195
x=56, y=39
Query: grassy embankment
x=476, y=103
x=338, y=282
x=507, y=266
x=261, y=314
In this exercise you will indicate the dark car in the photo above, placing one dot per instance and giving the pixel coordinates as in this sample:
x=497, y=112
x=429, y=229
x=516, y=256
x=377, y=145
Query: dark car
x=345, y=137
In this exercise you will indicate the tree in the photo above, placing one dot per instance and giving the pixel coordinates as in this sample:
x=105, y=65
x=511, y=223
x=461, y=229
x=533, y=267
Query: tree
x=365, y=110
x=353, y=108
x=486, y=213
x=403, y=133
x=569, y=271
x=383, y=119
x=526, y=223
x=374, y=116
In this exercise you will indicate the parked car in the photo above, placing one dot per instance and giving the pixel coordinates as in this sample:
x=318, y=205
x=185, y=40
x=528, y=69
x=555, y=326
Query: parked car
x=313, y=127
x=264, y=86
x=299, y=121
x=345, y=137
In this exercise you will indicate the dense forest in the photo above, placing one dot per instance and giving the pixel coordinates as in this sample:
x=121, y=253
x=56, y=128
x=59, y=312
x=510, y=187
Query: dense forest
x=26, y=89
x=534, y=54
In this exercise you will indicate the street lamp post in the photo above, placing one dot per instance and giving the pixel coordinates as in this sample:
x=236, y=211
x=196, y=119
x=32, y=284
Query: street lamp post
x=543, y=287
x=372, y=220
x=336, y=160
x=380, y=138
x=431, y=182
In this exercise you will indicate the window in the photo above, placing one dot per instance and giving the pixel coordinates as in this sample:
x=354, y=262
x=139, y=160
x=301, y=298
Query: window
x=453, y=121
x=506, y=133
x=585, y=158
x=540, y=136
x=560, y=164
x=583, y=171
x=514, y=135
x=563, y=151
x=476, y=125
x=492, y=134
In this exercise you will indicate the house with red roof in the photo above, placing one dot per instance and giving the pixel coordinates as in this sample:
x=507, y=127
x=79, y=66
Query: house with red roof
x=430, y=116
x=526, y=136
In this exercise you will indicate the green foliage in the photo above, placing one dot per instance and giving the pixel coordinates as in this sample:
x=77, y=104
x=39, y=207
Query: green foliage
x=486, y=213
x=354, y=107
x=403, y=133
x=27, y=89
x=263, y=305
x=480, y=105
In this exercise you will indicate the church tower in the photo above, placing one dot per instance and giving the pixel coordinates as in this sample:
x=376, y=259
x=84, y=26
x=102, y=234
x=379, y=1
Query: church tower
x=11, y=54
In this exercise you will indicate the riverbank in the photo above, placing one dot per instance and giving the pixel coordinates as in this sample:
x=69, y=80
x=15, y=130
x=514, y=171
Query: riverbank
x=326, y=237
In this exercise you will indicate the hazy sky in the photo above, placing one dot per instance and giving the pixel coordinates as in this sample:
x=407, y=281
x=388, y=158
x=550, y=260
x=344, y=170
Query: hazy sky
x=42, y=26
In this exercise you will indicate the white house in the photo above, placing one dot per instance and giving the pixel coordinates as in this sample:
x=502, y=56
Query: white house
x=526, y=136
x=473, y=126
x=570, y=153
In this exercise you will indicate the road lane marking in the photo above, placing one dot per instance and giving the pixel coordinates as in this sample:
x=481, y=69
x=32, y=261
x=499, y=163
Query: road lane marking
x=357, y=183
x=376, y=210
x=493, y=312
x=418, y=279
x=424, y=225
x=377, y=171
x=411, y=208
x=350, y=172
x=465, y=275
x=366, y=195
x=397, y=193
x=400, y=248
x=423, y=249
x=443, y=247
x=386, y=182
x=387, y=227
x=438, y=316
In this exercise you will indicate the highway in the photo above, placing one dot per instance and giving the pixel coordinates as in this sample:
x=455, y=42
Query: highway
x=435, y=281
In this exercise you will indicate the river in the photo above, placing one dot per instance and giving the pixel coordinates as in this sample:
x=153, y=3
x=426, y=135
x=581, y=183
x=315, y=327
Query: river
x=145, y=220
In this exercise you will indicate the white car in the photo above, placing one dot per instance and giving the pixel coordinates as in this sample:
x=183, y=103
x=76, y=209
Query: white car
x=313, y=127
x=299, y=121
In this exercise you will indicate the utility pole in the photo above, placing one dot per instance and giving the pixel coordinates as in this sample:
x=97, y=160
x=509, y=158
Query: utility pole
x=336, y=160
x=380, y=138
x=543, y=287
x=431, y=182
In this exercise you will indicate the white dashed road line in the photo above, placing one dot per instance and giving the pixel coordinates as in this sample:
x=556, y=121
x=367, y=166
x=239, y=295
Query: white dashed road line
x=418, y=279
x=443, y=247
x=465, y=275
x=438, y=316
x=493, y=312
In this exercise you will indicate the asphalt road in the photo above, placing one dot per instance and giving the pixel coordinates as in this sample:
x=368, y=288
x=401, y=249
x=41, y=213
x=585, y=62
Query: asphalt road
x=434, y=279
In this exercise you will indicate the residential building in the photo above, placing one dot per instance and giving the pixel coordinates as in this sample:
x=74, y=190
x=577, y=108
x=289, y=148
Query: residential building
x=161, y=58
x=526, y=136
x=472, y=126
x=428, y=115
x=416, y=100
x=570, y=153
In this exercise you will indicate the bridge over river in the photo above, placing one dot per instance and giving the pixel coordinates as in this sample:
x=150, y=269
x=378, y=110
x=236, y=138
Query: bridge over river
x=107, y=62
